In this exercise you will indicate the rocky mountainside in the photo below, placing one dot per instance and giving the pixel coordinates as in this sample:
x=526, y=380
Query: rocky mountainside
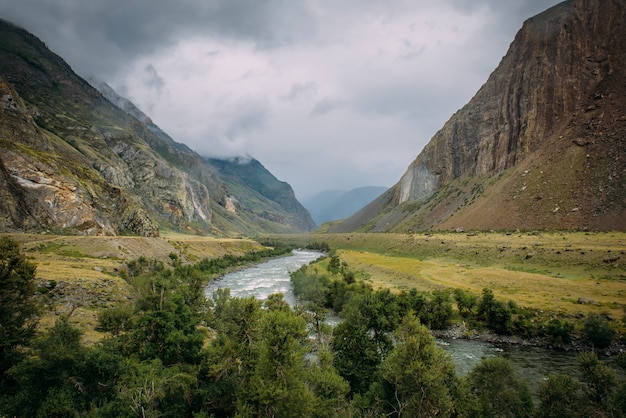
x=72, y=161
x=542, y=144
x=332, y=205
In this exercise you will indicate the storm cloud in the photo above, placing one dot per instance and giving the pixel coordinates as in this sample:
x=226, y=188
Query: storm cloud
x=327, y=95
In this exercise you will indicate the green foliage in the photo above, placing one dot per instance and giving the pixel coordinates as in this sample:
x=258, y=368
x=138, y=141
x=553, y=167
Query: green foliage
x=167, y=332
x=500, y=393
x=357, y=355
x=18, y=307
x=598, y=331
x=334, y=264
x=149, y=389
x=559, y=397
x=277, y=386
x=62, y=376
x=560, y=332
x=143, y=267
x=416, y=378
x=598, y=379
x=495, y=313
x=438, y=311
x=597, y=393
x=465, y=302
x=116, y=319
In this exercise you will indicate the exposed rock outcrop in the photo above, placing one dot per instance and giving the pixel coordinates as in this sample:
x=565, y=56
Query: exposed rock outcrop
x=545, y=130
x=73, y=160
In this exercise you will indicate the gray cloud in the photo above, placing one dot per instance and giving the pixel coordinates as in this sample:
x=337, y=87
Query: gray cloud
x=327, y=105
x=153, y=80
x=325, y=94
x=301, y=91
x=96, y=36
x=249, y=116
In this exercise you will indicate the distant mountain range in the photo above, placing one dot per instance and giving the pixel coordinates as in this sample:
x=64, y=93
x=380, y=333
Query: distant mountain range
x=80, y=160
x=332, y=205
x=542, y=144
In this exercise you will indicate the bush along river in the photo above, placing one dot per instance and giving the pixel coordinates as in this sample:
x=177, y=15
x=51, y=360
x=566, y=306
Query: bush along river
x=262, y=280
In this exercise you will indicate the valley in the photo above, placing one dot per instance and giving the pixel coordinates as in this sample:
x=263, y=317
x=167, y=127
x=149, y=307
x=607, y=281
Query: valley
x=562, y=274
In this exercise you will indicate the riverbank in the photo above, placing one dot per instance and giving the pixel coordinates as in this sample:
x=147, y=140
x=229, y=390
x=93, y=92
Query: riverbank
x=462, y=332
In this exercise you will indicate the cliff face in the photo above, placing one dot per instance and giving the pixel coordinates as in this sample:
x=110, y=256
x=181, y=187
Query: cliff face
x=555, y=102
x=72, y=161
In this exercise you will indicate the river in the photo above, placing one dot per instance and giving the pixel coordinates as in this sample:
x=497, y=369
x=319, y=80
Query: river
x=264, y=279
x=273, y=276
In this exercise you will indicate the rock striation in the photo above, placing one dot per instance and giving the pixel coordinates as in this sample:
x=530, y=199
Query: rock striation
x=75, y=160
x=542, y=144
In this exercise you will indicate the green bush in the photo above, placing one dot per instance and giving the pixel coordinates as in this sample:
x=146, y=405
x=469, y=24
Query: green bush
x=598, y=331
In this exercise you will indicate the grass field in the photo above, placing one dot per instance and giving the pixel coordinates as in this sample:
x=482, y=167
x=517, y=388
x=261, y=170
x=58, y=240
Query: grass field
x=569, y=273
x=82, y=275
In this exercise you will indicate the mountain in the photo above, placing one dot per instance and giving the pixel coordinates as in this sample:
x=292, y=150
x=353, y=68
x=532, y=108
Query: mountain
x=331, y=205
x=75, y=160
x=542, y=144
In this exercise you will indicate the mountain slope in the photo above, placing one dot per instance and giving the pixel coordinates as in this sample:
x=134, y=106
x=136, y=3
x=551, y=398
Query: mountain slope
x=72, y=161
x=542, y=144
x=332, y=205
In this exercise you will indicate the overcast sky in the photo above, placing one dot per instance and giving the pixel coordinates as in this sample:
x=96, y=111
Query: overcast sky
x=325, y=94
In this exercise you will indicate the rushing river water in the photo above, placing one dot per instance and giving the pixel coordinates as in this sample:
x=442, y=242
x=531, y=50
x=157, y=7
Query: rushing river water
x=264, y=279
x=273, y=276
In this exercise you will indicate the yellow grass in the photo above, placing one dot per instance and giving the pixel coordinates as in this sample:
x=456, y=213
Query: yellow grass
x=526, y=289
x=87, y=269
x=550, y=271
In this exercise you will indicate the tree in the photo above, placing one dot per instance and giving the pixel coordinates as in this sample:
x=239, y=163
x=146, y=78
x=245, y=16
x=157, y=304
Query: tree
x=149, y=389
x=116, y=319
x=465, y=302
x=500, y=392
x=334, y=264
x=232, y=355
x=439, y=310
x=356, y=352
x=560, y=332
x=495, y=313
x=417, y=376
x=598, y=331
x=18, y=307
x=559, y=397
x=62, y=377
x=598, y=379
x=277, y=386
x=330, y=389
x=484, y=306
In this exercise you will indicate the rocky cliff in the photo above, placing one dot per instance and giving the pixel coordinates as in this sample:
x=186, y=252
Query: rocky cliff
x=542, y=144
x=73, y=161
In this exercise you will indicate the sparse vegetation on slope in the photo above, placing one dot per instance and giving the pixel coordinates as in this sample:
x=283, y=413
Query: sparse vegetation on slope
x=82, y=275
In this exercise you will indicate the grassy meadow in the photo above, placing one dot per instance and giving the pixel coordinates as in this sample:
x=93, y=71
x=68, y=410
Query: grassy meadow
x=84, y=275
x=567, y=273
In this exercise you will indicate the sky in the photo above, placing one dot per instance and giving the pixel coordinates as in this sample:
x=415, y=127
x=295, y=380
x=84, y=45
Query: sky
x=326, y=94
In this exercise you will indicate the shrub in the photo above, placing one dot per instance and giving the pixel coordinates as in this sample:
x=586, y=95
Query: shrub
x=598, y=331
